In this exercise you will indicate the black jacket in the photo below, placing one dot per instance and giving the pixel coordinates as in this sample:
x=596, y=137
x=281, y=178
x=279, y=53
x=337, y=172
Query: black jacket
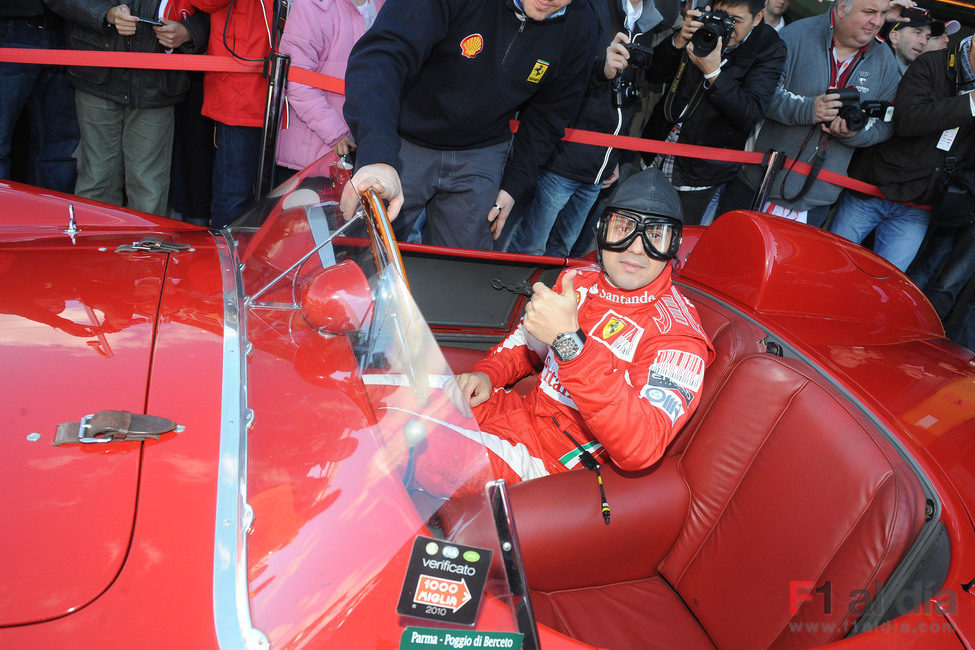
x=88, y=30
x=21, y=8
x=450, y=74
x=907, y=167
x=729, y=110
x=588, y=163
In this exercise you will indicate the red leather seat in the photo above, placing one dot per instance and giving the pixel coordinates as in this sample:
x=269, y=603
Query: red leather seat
x=733, y=339
x=774, y=495
x=788, y=491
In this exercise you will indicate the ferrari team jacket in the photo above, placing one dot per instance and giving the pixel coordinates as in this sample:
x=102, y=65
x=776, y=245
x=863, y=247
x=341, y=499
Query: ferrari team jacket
x=450, y=74
x=908, y=166
x=624, y=398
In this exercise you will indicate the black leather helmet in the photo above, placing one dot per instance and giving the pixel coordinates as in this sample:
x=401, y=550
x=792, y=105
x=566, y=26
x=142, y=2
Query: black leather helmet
x=645, y=205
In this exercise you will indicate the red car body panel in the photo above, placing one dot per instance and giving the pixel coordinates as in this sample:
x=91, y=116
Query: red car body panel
x=137, y=542
x=128, y=511
x=89, y=314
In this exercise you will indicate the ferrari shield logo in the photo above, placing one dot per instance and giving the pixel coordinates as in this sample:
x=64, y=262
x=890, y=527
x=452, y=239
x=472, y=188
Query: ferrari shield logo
x=538, y=71
x=612, y=327
x=471, y=45
x=618, y=333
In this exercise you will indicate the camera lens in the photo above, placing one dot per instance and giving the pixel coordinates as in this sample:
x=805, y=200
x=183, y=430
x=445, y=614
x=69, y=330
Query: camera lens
x=855, y=117
x=704, y=40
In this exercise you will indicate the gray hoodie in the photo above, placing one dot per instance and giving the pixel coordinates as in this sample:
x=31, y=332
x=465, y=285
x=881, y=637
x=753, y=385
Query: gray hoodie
x=790, y=116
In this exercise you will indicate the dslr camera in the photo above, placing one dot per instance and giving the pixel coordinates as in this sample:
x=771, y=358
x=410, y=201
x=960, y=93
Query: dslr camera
x=855, y=112
x=626, y=91
x=717, y=24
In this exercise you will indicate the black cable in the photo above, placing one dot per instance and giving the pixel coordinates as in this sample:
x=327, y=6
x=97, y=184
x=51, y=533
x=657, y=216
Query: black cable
x=226, y=24
x=589, y=462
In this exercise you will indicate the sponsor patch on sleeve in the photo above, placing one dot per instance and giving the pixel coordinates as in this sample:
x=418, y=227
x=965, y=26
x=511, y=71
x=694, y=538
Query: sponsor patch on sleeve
x=668, y=401
x=685, y=369
x=656, y=380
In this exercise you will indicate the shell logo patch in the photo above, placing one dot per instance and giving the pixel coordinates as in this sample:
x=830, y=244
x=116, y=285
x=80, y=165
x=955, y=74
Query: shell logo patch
x=538, y=71
x=612, y=327
x=472, y=45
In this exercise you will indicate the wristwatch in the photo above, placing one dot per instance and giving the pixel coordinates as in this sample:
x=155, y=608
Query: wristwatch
x=568, y=345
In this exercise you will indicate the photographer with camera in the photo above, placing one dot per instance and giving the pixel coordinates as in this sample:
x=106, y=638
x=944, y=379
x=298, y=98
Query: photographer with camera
x=570, y=183
x=833, y=50
x=721, y=70
x=934, y=127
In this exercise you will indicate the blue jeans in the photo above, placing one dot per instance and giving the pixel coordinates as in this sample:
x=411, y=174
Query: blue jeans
x=454, y=189
x=44, y=92
x=931, y=257
x=900, y=228
x=234, y=172
x=710, y=212
x=956, y=273
x=556, y=215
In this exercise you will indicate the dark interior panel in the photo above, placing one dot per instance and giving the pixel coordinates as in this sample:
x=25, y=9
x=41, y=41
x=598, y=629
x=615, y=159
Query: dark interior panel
x=458, y=292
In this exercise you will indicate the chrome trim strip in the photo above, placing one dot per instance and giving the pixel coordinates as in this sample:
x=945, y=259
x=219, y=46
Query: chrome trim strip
x=231, y=605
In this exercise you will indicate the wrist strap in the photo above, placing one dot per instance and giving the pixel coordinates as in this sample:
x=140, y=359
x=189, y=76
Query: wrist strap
x=712, y=75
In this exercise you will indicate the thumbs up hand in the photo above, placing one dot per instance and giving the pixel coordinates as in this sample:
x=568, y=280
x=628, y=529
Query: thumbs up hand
x=549, y=314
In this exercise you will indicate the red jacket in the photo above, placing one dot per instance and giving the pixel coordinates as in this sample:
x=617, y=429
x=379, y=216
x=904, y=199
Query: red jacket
x=624, y=398
x=237, y=98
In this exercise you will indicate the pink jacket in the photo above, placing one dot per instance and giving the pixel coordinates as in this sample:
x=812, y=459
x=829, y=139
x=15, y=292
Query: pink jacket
x=318, y=36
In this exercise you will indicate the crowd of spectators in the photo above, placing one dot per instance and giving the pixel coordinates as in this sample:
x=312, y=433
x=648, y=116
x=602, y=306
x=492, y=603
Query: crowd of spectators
x=432, y=84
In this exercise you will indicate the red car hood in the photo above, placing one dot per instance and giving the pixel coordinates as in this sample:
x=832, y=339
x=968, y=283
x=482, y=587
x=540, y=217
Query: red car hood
x=75, y=317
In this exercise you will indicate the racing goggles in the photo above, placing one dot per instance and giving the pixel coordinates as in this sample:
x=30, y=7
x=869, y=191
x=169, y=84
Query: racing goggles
x=618, y=228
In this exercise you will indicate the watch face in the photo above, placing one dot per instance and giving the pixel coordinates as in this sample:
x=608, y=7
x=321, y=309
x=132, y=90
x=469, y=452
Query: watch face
x=567, y=346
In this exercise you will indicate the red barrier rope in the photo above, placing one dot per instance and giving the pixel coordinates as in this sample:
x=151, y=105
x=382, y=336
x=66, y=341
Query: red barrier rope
x=150, y=61
x=144, y=60
x=208, y=63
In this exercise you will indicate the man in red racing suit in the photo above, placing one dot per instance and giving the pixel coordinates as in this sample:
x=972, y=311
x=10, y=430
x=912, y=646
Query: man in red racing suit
x=621, y=350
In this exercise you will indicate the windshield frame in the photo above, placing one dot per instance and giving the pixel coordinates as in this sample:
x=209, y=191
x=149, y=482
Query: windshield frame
x=230, y=567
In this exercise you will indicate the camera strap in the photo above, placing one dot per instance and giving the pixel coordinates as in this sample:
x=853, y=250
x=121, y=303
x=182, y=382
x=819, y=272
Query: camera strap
x=816, y=164
x=692, y=103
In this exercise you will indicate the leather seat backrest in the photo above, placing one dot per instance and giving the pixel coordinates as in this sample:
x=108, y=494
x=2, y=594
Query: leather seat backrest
x=791, y=491
x=733, y=339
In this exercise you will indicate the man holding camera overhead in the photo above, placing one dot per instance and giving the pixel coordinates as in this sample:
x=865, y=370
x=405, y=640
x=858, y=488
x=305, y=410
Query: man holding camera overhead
x=721, y=70
x=838, y=49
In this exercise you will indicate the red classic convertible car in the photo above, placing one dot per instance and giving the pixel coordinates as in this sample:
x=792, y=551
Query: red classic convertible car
x=220, y=439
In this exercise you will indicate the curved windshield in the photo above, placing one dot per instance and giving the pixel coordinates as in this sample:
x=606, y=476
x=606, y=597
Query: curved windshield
x=394, y=520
